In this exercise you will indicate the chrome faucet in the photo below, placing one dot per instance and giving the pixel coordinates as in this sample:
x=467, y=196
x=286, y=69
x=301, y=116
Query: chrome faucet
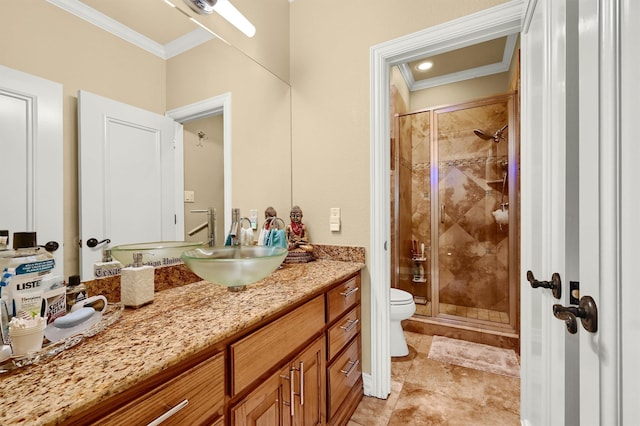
x=234, y=232
x=210, y=224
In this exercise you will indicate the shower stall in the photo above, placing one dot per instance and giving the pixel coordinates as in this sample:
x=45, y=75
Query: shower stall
x=455, y=213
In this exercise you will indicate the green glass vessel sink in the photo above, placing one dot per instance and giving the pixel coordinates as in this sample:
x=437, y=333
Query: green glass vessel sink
x=161, y=253
x=234, y=266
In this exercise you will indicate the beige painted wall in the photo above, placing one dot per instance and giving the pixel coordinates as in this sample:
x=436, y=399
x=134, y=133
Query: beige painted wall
x=204, y=175
x=261, y=120
x=462, y=91
x=330, y=45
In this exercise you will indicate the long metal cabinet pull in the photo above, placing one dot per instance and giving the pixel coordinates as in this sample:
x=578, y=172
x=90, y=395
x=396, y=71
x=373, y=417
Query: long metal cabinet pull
x=353, y=366
x=351, y=323
x=169, y=413
x=442, y=213
x=349, y=292
x=292, y=391
x=301, y=383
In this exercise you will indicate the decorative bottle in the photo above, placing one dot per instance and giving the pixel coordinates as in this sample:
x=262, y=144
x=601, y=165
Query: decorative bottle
x=108, y=267
x=136, y=283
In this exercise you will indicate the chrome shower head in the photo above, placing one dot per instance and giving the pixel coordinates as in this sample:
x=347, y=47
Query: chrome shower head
x=482, y=134
x=495, y=137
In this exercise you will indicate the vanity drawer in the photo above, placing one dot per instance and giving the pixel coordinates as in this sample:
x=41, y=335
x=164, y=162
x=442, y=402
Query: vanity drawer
x=343, y=331
x=342, y=375
x=342, y=298
x=262, y=350
x=202, y=387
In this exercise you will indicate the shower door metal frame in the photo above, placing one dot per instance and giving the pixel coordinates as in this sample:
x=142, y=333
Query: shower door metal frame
x=513, y=177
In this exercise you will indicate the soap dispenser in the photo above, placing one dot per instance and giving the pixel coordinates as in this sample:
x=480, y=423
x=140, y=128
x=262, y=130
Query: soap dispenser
x=108, y=267
x=136, y=283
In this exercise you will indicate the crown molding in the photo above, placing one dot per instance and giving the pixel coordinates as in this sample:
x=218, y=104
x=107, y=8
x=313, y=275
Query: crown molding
x=482, y=71
x=187, y=42
x=100, y=20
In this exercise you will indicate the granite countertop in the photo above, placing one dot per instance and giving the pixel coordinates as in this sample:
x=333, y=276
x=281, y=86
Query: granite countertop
x=180, y=322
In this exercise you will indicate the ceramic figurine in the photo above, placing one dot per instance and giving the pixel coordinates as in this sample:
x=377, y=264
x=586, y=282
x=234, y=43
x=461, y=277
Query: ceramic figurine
x=297, y=235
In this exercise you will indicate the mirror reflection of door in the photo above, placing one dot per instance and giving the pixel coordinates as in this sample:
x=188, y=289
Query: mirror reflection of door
x=203, y=176
x=130, y=180
x=31, y=153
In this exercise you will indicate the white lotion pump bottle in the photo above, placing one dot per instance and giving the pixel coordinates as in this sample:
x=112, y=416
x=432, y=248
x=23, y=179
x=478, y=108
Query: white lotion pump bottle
x=136, y=283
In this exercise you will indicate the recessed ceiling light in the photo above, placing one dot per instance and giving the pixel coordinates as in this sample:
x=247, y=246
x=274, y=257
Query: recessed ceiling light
x=423, y=66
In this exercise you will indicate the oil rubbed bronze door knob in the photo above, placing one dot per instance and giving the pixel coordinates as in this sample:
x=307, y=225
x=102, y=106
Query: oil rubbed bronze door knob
x=587, y=311
x=92, y=242
x=555, y=285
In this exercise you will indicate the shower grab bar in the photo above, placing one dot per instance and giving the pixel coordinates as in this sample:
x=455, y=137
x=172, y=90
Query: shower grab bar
x=442, y=213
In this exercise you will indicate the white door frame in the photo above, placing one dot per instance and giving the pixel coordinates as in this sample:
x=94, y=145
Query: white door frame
x=485, y=25
x=216, y=105
x=629, y=208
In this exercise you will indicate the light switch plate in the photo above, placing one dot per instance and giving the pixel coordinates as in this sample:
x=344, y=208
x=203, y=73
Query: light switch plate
x=334, y=219
x=253, y=218
x=189, y=197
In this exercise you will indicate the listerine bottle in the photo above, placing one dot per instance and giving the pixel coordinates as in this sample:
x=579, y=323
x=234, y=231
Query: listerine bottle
x=29, y=265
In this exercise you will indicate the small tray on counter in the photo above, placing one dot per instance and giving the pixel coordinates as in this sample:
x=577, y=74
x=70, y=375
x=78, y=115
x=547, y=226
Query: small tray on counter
x=49, y=350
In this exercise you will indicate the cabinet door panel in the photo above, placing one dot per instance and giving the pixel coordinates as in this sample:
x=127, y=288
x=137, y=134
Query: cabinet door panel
x=310, y=385
x=266, y=405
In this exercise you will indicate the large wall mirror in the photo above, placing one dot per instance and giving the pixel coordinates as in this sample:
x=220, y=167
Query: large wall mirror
x=135, y=57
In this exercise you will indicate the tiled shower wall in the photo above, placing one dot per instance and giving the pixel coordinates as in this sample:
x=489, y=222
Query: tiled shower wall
x=473, y=250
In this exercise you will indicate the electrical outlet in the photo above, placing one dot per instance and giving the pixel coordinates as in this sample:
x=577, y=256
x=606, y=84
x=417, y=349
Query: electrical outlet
x=189, y=197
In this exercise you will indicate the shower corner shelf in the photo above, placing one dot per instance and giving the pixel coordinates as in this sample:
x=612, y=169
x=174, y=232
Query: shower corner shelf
x=419, y=278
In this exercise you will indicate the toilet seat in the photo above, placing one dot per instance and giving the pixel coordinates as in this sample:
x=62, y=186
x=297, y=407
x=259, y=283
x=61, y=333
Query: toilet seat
x=400, y=297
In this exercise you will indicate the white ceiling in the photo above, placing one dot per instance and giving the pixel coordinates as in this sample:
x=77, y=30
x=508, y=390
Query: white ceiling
x=166, y=32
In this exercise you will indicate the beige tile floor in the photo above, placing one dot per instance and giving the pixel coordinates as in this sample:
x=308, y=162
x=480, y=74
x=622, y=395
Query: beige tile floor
x=426, y=392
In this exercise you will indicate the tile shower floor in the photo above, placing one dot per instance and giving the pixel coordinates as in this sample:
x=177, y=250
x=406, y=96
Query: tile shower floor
x=427, y=392
x=465, y=311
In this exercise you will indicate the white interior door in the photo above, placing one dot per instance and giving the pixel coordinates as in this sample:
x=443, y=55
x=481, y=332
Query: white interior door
x=609, y=210
x=545, y=238
x=588, y=48
x=31, y=154
x=131, y=183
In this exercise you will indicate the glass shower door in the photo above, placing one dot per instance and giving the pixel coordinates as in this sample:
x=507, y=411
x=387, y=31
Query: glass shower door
x=470, y=212
x=412, y=195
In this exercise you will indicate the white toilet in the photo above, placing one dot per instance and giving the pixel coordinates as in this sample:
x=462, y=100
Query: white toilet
x=402, y=307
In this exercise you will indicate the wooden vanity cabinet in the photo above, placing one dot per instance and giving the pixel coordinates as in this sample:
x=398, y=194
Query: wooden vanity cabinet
x=294, y=395
x=330, y=366
x=298, y=368
x=344, y=351
x=196, y=397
